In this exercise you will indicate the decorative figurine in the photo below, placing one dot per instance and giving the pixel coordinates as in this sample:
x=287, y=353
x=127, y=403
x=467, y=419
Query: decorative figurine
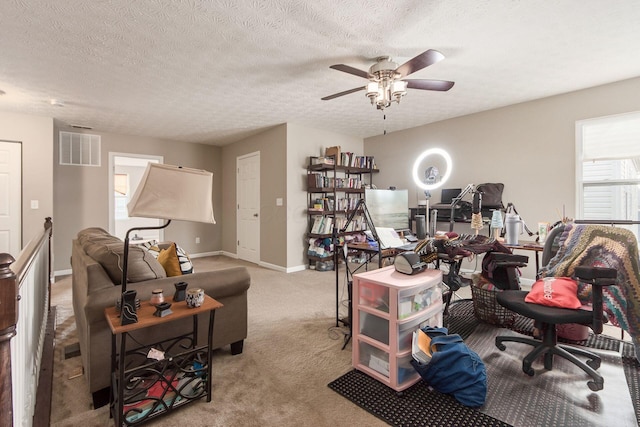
x=128, y=312
x=181, y=291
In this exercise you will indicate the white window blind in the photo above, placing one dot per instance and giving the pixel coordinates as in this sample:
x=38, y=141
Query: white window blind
x=615, y=137
x=608, y=169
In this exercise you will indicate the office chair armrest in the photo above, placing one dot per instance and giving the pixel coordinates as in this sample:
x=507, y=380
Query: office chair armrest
x=509, y=260
x=597, y=275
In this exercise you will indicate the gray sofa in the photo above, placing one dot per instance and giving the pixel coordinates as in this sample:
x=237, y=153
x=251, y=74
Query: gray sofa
x=96, y=286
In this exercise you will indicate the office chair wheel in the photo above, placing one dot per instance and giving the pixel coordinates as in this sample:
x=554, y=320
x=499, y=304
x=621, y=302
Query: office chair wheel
x=527, y=369
x=596, y=385
x=594, y=364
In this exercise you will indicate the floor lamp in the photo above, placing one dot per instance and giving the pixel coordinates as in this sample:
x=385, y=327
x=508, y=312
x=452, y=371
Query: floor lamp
x=165, y=192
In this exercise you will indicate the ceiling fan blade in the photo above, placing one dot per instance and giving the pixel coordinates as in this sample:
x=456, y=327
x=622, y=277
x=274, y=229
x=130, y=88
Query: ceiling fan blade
x=350, y=70
x=346, y=92
x=421, y=61
x=441, y=85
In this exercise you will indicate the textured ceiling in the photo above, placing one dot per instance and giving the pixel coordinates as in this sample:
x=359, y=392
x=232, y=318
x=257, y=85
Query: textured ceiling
x=218, y=71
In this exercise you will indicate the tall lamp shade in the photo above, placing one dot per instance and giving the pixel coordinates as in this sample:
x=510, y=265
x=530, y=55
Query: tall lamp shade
x=173, y=192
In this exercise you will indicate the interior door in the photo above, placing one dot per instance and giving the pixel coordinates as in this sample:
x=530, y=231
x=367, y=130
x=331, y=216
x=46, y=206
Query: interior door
x=10, y=197
x=248, y=208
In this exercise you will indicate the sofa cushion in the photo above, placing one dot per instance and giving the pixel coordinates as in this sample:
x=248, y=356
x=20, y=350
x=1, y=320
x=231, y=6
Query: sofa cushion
x=168, y=258
x=95, y=234
x=141, y=266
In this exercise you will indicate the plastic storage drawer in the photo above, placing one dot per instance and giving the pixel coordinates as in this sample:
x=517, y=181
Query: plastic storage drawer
x=405, y=330
x=374, y=296
x=374, y=358
x=414, y=300
x=374, y=327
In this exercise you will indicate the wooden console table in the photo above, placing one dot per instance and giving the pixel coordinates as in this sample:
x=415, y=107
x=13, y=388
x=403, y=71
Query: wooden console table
x=155, y=378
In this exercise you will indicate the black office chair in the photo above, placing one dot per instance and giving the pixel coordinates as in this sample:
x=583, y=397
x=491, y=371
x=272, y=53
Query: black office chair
x=546, y=318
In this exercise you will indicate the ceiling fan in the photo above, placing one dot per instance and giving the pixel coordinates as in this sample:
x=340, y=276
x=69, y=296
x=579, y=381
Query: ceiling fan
x=387, y=82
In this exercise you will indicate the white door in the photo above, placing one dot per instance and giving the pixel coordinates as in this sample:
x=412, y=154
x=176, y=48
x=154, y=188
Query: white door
x=248, y=217
x=10, y=197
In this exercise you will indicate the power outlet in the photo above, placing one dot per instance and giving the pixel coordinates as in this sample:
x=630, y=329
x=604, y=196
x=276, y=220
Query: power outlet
x=197, y=240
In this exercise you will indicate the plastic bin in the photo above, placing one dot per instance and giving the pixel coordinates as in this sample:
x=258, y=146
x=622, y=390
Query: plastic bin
x=406, y=371
x=414, y=300
x=374, y=358
x=374, y=327
x=405, y=330
x=374, y=295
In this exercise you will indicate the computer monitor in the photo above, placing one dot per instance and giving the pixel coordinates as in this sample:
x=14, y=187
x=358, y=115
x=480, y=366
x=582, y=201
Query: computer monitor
x=388, y=208
x=448, y=194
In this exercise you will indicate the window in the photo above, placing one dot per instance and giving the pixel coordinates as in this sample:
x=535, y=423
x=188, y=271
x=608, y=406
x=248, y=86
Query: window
x=608, y=169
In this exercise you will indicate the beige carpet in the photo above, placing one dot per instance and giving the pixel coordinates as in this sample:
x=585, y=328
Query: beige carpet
x=292, y=352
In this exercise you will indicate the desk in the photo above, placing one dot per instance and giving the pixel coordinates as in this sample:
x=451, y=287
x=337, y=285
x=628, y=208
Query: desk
x=529, y=246
x=372, y=251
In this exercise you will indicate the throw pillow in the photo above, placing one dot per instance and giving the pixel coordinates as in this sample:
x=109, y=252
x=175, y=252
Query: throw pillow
x=141, y=266
x=168, y=258
x=186, y=266
x=185, y=262
x=555, y=292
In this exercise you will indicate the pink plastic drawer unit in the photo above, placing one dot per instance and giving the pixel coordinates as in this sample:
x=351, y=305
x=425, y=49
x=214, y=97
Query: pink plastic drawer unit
x=388, y=307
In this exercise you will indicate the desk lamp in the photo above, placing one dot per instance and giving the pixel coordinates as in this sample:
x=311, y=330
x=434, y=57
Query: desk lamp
x=165, y=192
x=432, y=178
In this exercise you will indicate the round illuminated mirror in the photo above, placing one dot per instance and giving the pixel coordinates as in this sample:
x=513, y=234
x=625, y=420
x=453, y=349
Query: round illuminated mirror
x=428, y=169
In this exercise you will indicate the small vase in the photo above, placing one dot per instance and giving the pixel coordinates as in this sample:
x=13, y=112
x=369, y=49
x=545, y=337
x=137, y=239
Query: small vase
x=181, y=291
x=128, y=313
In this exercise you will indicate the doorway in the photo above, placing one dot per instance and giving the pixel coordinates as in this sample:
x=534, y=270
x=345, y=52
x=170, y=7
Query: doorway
x=11, y=200
x=125, y=173
x=248, y=207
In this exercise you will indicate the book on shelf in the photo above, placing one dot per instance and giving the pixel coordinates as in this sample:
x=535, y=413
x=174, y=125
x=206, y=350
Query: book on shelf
x=317, y=224
x=327, y=225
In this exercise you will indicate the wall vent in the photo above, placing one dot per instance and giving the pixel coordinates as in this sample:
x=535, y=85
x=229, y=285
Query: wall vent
x=81, y=149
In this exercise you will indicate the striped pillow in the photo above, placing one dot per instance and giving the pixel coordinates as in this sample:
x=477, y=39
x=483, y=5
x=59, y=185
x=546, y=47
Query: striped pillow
x=183, y=258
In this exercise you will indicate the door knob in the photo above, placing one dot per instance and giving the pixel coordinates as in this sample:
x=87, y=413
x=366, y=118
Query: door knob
x=255, y=215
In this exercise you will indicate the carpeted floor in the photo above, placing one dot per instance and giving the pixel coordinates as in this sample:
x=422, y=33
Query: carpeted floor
x=292, y=351
x=559, y=397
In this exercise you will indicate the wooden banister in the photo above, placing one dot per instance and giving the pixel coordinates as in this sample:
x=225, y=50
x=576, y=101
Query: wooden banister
x=13, y=274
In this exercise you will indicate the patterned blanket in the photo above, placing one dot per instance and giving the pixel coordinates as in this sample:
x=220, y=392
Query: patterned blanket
x=603, y=246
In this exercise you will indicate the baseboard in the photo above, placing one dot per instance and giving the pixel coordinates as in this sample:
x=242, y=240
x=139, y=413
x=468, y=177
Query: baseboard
x=59, y=273
x=206, y=254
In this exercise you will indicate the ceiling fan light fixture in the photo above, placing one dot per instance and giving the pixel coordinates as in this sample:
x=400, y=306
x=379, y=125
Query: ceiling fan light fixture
x=398, y=89
x=385, y=85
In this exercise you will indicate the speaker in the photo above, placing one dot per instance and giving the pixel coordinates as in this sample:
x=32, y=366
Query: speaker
x=421, y=232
